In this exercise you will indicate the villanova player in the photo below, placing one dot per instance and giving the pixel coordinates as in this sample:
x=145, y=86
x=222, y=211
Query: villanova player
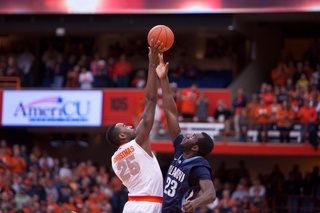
x=134, y=162
x=188, y=182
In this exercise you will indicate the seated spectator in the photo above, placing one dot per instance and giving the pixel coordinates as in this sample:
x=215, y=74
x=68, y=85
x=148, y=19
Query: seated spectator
x=102, y=76
x=251, y=108
x=239, y=193
x=283, y=95
x=52, y=205
x=307, y=116
x=222, y=114
x=46, y=162
x=239, y=102
x=285, y=120
x=278, y=74
x=189, y=96
x=244, y=125
x=307, y=68
x=274, y=109
x=247, y=206
x=139, y=80
x=315, y=77
x=257, y=186
x=18, y=165
x=268, y=95
x=25, y=64
x=11, y=69
x=299, y=70
x=4, y=145
x=85, y=78
x=51, y=189
x=94, y=63
x=70, y=206
x=202, y=108
x=72, y=80
x=303, y=81
x=5, y=160
x=257, y=199
x=122, y=71
x=21, y=198
x=226, y=202
x=262, y=113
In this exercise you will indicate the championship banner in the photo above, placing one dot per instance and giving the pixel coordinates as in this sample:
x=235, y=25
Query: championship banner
x=51, y=108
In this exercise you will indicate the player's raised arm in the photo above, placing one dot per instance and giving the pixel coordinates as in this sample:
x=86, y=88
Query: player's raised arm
x=169, y=105
x=150, y=97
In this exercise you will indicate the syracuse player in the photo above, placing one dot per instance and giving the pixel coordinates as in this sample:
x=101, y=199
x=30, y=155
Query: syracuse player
x=134, y=162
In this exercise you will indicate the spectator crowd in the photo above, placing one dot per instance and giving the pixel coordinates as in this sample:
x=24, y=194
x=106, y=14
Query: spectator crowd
x=33, y=181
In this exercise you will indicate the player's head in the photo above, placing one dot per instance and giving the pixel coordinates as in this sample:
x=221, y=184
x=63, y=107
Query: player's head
x=202, y=144
x=120, y=133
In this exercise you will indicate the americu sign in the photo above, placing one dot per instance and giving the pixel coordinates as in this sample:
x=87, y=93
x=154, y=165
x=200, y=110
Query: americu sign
x=51, y=108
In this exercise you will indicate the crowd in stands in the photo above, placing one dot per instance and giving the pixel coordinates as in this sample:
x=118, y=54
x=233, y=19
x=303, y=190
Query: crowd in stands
x=32, y=181
x=290, y=102
x=82, y=65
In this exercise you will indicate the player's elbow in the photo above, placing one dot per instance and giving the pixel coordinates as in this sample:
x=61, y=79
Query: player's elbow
x=211, y=196
x=151, y=99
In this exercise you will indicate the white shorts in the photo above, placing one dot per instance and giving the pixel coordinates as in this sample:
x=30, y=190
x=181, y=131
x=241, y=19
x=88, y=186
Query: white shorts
x=142, y=207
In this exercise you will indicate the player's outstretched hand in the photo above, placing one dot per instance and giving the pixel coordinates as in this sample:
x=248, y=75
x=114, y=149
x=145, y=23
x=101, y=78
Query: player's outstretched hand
x=154, y=51
x=189, y=206
x=162, y=68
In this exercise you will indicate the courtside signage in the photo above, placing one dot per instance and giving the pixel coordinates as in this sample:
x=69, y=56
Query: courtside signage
x=52, y=108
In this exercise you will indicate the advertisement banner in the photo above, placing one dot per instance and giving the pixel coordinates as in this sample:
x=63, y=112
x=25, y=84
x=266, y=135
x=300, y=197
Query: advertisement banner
x=51, y=108
x=122, y=106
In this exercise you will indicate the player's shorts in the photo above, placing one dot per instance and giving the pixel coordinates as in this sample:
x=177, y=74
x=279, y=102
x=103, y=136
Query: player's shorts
x=140, y=206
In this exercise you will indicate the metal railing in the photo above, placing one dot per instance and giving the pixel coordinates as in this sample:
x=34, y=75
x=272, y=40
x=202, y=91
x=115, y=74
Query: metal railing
x=10, y=82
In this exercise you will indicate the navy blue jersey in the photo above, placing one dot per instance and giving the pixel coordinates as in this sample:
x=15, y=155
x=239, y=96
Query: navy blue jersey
x=178, y=185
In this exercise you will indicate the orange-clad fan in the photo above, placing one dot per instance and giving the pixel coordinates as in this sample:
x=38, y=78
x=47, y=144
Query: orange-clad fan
x=18, y=164
x=279, y=74
x=4, y=145
x=251, y=108
x=286, y=118
x=189, y=97
x=70, y=206
x=262, y=114
x=274, y=109
x=268, y=95
x=307, y=114
x=52, y=205
x=5, y=159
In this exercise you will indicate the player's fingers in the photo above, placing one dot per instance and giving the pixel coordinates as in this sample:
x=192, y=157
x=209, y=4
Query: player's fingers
x=160, y=46
x=151, y=42
x=167, y=65
x=160, y=57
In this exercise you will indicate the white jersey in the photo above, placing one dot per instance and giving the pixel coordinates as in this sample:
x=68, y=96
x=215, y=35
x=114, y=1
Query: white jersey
x=137, y=170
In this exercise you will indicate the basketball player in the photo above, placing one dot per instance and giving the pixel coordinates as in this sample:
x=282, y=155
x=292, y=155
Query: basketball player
x=134, y=162
x=188, y=182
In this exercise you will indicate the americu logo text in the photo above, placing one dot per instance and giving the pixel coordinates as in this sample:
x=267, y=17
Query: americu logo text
x=53, y=109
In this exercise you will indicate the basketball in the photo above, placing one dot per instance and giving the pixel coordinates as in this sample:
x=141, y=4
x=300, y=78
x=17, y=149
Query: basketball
x=162, y=33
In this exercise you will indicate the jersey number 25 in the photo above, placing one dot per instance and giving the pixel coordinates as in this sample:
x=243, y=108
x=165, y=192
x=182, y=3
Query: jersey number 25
x=128, y=167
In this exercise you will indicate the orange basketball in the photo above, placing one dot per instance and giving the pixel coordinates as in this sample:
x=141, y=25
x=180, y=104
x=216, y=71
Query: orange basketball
x=162, y=33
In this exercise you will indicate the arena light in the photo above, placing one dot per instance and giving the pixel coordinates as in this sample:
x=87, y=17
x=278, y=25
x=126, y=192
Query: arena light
x=82, y=6
x=197, y=8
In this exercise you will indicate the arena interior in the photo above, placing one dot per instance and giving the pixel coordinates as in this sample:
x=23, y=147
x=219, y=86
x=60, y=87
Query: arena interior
x=253, y=65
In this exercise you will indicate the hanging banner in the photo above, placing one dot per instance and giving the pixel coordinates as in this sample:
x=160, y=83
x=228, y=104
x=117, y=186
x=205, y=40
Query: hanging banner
x=51, y=108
